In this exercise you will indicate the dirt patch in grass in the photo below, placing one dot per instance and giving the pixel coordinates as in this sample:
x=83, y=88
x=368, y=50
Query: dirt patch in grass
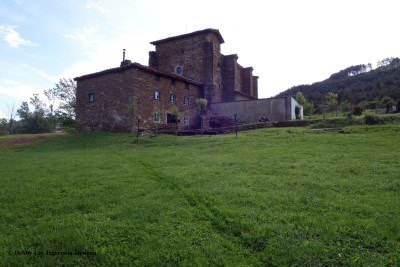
x=9, y=141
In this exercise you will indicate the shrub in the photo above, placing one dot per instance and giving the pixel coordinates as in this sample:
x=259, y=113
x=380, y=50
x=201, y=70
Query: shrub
x=220, y=121
x=201, y=105
x=337, y=122
x=371, y=119
x=357, y=110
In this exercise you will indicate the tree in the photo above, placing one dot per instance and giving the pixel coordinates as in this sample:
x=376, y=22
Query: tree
x=355, y=84
x=176, y=114
x=302, y=100
x=11, y=121
x=31, y=122
x=201, y=106
x=40, y=120
x=331, y=100
x=158, y=114
x=64, y=93
x=131, y=109
x=358, y=110
x=37, y=103
x=345, y=106
x=385, y=62
x=387, y=102
x=4, y=127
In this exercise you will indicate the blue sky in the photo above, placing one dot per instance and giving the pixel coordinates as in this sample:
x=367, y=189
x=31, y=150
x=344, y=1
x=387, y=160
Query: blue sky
x=288, y=42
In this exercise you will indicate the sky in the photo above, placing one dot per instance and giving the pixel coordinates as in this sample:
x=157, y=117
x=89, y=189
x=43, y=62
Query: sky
x=287, y=42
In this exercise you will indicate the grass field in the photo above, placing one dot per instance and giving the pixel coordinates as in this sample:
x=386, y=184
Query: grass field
x=284, y=196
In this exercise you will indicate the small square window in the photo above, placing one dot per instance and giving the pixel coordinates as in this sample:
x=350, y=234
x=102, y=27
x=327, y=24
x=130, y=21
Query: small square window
x=186, y=121
x=186, y=101
x=157, y=77
x=157, y=95
x=172, y=84
x=172, y=98
x=91, y=97
x=179, y=70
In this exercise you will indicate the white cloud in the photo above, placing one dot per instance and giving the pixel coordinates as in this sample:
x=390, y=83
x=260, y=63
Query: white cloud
x=79, y=69
x=105, y=54
x=19, y=91
x=9, y=82
x=12, y=37
x=40, y=73
x=96, y=5
x=83, y=35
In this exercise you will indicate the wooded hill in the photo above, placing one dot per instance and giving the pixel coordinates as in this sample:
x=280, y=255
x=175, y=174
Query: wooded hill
x=356, y=84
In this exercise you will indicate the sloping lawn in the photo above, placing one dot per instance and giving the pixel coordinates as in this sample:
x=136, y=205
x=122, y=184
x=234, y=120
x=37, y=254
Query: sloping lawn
x=284, y=196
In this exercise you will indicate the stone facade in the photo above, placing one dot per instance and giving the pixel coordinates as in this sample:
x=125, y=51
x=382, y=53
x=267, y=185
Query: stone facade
x=198, y=54
x=182, y=68
x=117, y=89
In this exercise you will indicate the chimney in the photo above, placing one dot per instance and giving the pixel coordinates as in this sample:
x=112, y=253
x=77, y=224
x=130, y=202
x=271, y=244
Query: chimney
x=125, y=62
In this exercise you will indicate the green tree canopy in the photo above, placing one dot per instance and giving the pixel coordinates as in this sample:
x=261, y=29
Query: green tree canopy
x=64, y=92
x=302, y=100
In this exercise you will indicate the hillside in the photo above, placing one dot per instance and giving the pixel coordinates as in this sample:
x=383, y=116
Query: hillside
x=356, y=83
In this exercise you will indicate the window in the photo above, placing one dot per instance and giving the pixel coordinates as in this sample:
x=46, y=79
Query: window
x=186, y=121
x=157, y=117
x=172, y=98
x=91, y=97
x=172, y=84
x=179, y=70
x=186, y=101
x=157, y=95
x=157, y=77
x=186, y=85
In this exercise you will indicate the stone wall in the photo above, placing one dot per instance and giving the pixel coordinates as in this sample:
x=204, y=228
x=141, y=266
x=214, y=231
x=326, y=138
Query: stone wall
x=145, y=85
x=199, y=57
x=201, y=60
x=113, y=92
x=238, y=77
x=235, y=78
x=255, y=86
x=210, y=74
x=185, y=52
x=247, y=81
x=228, y=77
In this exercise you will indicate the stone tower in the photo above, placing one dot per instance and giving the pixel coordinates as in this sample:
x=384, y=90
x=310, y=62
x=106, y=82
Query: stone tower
x=196, y=56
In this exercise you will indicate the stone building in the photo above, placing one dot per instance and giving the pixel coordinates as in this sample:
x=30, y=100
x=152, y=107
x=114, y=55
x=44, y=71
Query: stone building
x=181, y=69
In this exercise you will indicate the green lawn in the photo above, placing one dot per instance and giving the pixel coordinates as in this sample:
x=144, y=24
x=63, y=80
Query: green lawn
x=284, y=196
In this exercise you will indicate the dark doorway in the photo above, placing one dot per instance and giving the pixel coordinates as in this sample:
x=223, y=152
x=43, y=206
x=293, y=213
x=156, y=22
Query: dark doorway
x=171, y=118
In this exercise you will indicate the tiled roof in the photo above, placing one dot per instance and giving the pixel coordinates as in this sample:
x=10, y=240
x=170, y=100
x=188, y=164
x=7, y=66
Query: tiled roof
x=136, y=65
x=221, y=40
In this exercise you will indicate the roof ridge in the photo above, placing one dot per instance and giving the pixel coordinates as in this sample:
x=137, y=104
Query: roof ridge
x=208, y=30
x=139, y=66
